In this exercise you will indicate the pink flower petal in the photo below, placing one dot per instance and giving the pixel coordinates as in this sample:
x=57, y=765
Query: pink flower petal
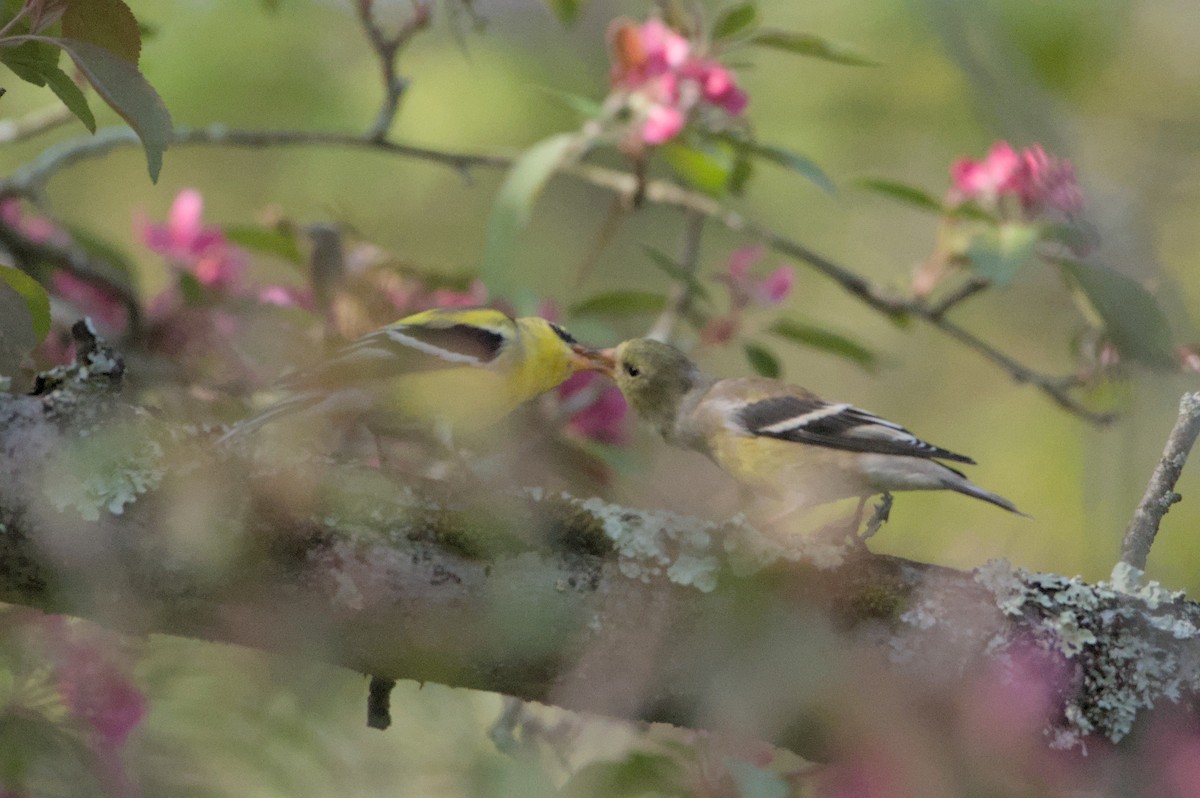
x=775, y=288
x=742, y=260
x=662, y=124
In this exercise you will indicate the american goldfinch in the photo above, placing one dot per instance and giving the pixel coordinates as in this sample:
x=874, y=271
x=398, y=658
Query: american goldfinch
x=778, y=439
x=458, y=369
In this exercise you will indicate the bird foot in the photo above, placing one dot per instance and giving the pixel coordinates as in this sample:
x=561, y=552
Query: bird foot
x=883, y=511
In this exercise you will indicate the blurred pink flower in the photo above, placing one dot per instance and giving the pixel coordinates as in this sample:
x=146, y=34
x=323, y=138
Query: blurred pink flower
x=1189, y=357
x=91, y=300
x=597, y=413
x=1039, y=181
x=200, y=250
x=743, y=288
x=35, y=227
x=475, y=295
x=663, y=80
x=996, y=174
x=286, y=296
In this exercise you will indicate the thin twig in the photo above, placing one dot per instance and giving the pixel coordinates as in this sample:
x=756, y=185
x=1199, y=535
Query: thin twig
x=1160, y=492
x=965, y=291
x=679, y=297
x=387, y=48
x=30, y=179
x=34, y=123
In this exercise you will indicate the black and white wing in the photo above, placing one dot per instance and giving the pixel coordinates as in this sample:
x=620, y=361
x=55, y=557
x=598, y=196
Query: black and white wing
x=404, y=348
x=804, y=418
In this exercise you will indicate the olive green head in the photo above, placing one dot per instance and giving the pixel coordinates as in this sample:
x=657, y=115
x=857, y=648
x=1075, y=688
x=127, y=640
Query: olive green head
x=654, y=377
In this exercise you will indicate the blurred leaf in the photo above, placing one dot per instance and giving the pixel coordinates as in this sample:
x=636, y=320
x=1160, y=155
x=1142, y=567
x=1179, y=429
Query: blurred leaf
x=37, y=301
x=762, y=360
x=513, y=206
x=999, y=253
x=811, y=45
x=824, y=340
x=267, y=240
x=105, y=23
x=1131, y=315
x=677, y=272
x=756, y=782
x=785, y=158
x=37, y=63
x=17, y=335
x=567, y=11
x=111, y=262
x=734, y=20
x=707, y=167
x=584, y=106
x=1076, y=236
x=122, y=86
x=902, y=192
x=619, y=302
x=638, y=775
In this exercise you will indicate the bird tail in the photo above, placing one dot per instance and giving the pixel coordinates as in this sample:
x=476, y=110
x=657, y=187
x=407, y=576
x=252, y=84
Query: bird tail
x=296, y=403
x=957, y=482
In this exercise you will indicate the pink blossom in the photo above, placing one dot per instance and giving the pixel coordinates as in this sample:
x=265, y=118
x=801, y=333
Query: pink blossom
x=663, y=80
x=90, y=300
x=662, y=124
x=1049, y=181
x=743, y=288
x=475, y=295
x=36, y=228
x=1037, y=180
x=286, y=296
x=720, y=329
x=602, y=415
x=777, y=285
x=193, y=247
x=997, y=173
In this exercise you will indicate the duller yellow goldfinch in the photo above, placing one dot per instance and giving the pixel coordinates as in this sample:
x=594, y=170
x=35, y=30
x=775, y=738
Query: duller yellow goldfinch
x=779, y=439
x=456, y=369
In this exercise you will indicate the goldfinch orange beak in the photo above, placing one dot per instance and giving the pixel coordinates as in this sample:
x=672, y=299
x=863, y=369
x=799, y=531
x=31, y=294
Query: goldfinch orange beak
x=588, y=359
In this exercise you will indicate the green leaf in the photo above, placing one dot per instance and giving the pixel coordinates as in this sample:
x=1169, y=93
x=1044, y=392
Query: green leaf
x=584, y=106
x=762, y=360
x=734, y=20
x=61, y=84
x=105, y=23
x=677, y=272
x=902, y=192
x=785, y=158
x=824, y=340
x=30, y=60
x=268, y=240
x=707, y=168
x=1131, y=316
x=811, y=45
x=37, y=63
x=567, y=11
x=37, y=301
x=17, y=326
x=514, y=203
x=122, y=86
x=619, y=302
x=999, y=253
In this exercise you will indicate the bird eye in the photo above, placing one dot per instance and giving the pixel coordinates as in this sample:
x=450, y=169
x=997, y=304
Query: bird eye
x=632, y=370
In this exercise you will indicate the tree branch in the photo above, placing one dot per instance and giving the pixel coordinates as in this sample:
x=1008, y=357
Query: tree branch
x=30, y=180
x=679, y=296
x=1160, y=492
x=578, y=603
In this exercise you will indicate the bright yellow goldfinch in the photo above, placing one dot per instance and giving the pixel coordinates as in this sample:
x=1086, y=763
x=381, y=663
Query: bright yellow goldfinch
x=458, y=369
x=779, y=439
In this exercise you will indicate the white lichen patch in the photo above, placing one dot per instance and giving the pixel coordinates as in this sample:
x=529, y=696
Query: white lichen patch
x=1123, y=635
x=104, y=473
x=655, y=544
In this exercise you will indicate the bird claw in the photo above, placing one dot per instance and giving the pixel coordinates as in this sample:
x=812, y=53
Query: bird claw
x=883, y=511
